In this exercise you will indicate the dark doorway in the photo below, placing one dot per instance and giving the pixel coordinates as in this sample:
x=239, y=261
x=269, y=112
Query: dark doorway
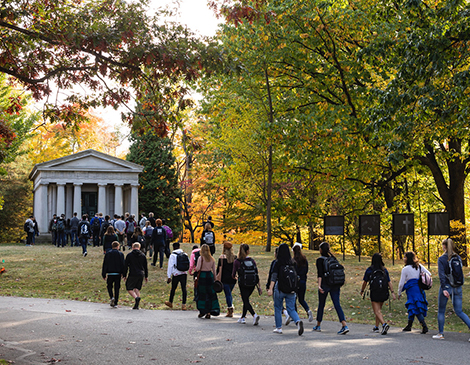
x=89, y=204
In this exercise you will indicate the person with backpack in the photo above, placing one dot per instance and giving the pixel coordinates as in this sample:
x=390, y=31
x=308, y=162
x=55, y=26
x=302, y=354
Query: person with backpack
x=158, y=242
x=142, y=221
x=61, y=231
x=53, y=229
x=244, y=267
x=148, y=230
x=84, y=231
x=29, y=229
x=104, y=227
x=113, y=270
x=224, y=275
x=379, y=282
x=452, y=278
x=208, y=237
x=301, y=267
x=416, y=303
x=130, y=229
x=283, y=287
x=95, y=230
x=206, y=299
x=330, y=279
x=169, y=238
x=74, y=221
x=195, y=254
x=178, y=266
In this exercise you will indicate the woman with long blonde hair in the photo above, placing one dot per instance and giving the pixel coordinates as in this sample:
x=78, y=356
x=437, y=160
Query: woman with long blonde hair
x=451, y=286
x=206, y=301
x=224, y=274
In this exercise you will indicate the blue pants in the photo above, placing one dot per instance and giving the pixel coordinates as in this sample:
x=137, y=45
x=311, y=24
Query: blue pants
x=301, y=295
x=228, y=294
x=456, y=295
x=161, y=250
x=290, y=306
x=74, y=235
x=83, y=242
x=334, y=294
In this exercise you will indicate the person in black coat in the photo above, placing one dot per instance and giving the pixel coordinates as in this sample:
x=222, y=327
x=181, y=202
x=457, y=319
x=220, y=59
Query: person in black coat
x=136, y=265
x=112, y=271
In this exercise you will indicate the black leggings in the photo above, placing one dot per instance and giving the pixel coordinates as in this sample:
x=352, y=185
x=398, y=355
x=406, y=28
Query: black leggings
x=174, y=284
x=245, y=292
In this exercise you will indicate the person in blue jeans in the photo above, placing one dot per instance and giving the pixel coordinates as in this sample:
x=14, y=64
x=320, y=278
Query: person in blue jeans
x=324, y=289
x=224, y=274
x=446, y=291
x=283, y=260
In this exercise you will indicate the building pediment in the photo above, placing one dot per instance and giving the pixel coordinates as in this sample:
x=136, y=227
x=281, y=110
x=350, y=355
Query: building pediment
x=89, y=160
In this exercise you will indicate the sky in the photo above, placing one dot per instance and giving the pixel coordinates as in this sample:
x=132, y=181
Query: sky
x=193, y=13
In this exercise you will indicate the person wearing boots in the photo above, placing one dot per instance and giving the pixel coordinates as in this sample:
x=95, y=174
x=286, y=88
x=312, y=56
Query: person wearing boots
x=416, y=302
x=224, y=274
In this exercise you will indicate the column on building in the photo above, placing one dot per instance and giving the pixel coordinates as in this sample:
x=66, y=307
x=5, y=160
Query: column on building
x=135, y=200
x=68, y=201
x=102, y=198
x=40, y=207
x=118, y=207
x=77, y=199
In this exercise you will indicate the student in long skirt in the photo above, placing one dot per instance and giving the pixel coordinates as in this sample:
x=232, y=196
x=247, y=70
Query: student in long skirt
x=416, y=302
x=206, y=301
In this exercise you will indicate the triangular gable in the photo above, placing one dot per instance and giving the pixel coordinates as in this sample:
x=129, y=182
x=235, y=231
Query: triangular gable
x=89, y=160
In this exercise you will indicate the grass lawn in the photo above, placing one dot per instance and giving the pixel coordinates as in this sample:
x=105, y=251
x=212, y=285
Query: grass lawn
x=49, y=272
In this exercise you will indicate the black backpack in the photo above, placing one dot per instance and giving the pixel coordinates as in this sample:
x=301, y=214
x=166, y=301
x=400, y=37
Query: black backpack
x=197, y=254
x=84, y=230
x=248, y=273
x=288, y=280
x=455, y=276
x=96, y=225
x=60, y=225
x=26, y=227
x=182, y=261
x=333, y=272
x=379, y=284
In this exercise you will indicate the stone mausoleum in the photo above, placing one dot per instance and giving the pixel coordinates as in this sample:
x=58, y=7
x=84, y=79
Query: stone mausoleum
x=85, y=182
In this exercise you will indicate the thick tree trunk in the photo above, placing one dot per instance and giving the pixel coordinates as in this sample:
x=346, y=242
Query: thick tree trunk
x=452, y=194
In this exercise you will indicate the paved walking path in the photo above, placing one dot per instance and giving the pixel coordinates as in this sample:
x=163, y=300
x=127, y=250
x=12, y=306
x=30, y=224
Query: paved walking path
x=38, y=331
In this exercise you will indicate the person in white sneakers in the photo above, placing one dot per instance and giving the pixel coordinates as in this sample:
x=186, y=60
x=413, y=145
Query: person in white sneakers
x=283, y=287
x=452, y=278
x=178, y=266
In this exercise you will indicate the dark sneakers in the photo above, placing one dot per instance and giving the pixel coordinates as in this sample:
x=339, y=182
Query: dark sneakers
x=137, y=301
x=300, y=327
x=385, y=328
x=343, y=330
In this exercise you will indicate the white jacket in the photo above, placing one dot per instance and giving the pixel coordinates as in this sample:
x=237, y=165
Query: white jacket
x=172, y=270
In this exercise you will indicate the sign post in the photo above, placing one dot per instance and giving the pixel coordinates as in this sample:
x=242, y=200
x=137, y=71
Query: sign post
x=438, y=225
x=369, y=225
x=333, y=225
x=402, y=225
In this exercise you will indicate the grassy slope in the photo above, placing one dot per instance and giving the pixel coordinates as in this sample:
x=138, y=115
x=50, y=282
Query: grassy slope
x=50, y=272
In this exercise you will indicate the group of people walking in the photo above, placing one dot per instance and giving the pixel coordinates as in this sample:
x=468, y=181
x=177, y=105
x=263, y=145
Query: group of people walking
x=287, y=283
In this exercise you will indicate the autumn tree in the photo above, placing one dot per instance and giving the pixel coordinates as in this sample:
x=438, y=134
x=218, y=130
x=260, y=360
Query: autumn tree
x=159, y=191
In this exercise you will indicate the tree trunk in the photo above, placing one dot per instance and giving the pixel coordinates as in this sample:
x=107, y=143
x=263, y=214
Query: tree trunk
x=269, y=187
x=452, y=194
